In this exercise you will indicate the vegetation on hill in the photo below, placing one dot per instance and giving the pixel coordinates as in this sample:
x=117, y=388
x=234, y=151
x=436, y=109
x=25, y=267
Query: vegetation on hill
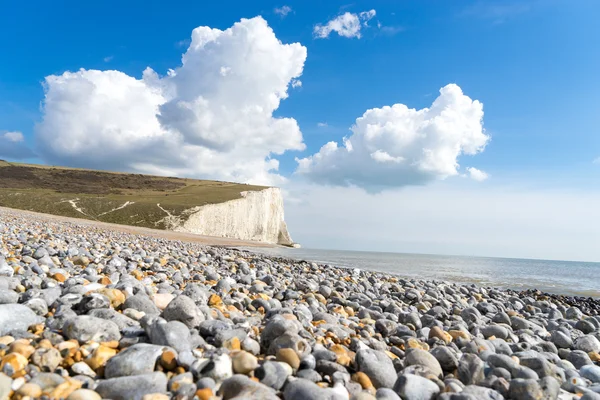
x=129, y=199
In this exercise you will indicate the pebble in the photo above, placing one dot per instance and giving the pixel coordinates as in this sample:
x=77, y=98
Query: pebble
x=84, y=328
x=243, y=362
x=425, y=359
x=378, y=366
x=132, y=387
x=138, y=359
x=288, y=356
x=16, y=317
x=414, y=387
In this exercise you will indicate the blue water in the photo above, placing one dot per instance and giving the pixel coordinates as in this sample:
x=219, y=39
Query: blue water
x=561, y=277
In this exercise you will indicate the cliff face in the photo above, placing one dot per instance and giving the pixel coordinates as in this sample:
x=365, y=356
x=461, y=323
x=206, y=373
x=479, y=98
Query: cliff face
x=258, y=215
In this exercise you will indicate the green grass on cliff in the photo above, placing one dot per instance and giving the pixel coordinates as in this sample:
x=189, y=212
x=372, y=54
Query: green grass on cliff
x=60, y=191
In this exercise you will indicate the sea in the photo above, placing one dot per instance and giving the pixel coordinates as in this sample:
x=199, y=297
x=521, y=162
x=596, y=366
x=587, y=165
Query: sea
x=560, y=277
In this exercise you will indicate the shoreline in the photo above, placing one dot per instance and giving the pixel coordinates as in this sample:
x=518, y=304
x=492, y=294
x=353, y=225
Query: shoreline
x=556, y=287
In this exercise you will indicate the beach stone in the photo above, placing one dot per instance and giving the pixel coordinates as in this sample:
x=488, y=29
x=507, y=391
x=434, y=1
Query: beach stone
x=386, y=394
x=5, y=386
x=288, y=356
x=217, y=368
x=414, y=387
x=173, y=334
x=251, y=346
x=84, y=328
x=424, y=358
x=121, y=320
x=100, y=357
x=138, y=359
x=291, y=341
x=470, y=369
x=378, y=366
x=38, y=306
x=81, y=368
x=30, y=390
x=141, y=302
x=475, y=392
x=309, y=374
x=16, y=317
x=494, y=330
x=197, y=293
x=591, y=372
x=47, y=359
x=439, y=333
x=8, y=296
x=550, y=387
x=302, y=389
x=5, y=269
x=502, y=361
x=47, y=381
x=272, y=374
x=588, y=344
x=183, y=309
x=525, y=389
x=241, y=387
x=84, y=394
x=579, y=358
x=243, y=362
x=447, y=359
x=12, y=364
x=161, y=300
x=308, y=362
x=132, y=387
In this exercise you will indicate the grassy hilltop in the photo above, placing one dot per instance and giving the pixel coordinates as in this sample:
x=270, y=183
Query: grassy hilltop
x=129, y=199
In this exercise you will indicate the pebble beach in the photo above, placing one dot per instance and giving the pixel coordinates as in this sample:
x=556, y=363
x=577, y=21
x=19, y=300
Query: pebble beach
x=89, y=313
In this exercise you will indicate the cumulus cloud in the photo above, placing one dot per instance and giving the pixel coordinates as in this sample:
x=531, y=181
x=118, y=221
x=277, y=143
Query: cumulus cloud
x=398, y=146
x=13, y=137
x=210, y=117
x=477, y=174
x=283, y=11
x=346, y=25
x=12, y=146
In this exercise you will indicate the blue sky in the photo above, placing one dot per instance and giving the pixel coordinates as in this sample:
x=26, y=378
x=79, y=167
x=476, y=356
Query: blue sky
x=533, y=64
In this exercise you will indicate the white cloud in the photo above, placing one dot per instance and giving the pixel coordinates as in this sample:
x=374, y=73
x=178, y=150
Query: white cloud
x=210, y=117
x=108, y=58
x=346, y=25
x=477, y=174
x=12, y=146
x=13, y=136
x=296, y=83
x=322, y=124
x=366, y=16
x=397, y=146
x=283, y=11
x=391, y=30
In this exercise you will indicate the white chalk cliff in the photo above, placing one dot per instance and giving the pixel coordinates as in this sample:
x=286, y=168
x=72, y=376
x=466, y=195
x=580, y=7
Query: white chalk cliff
x=257, y=215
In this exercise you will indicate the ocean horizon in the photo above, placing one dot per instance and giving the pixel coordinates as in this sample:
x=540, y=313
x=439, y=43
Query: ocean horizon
x=575, y=278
